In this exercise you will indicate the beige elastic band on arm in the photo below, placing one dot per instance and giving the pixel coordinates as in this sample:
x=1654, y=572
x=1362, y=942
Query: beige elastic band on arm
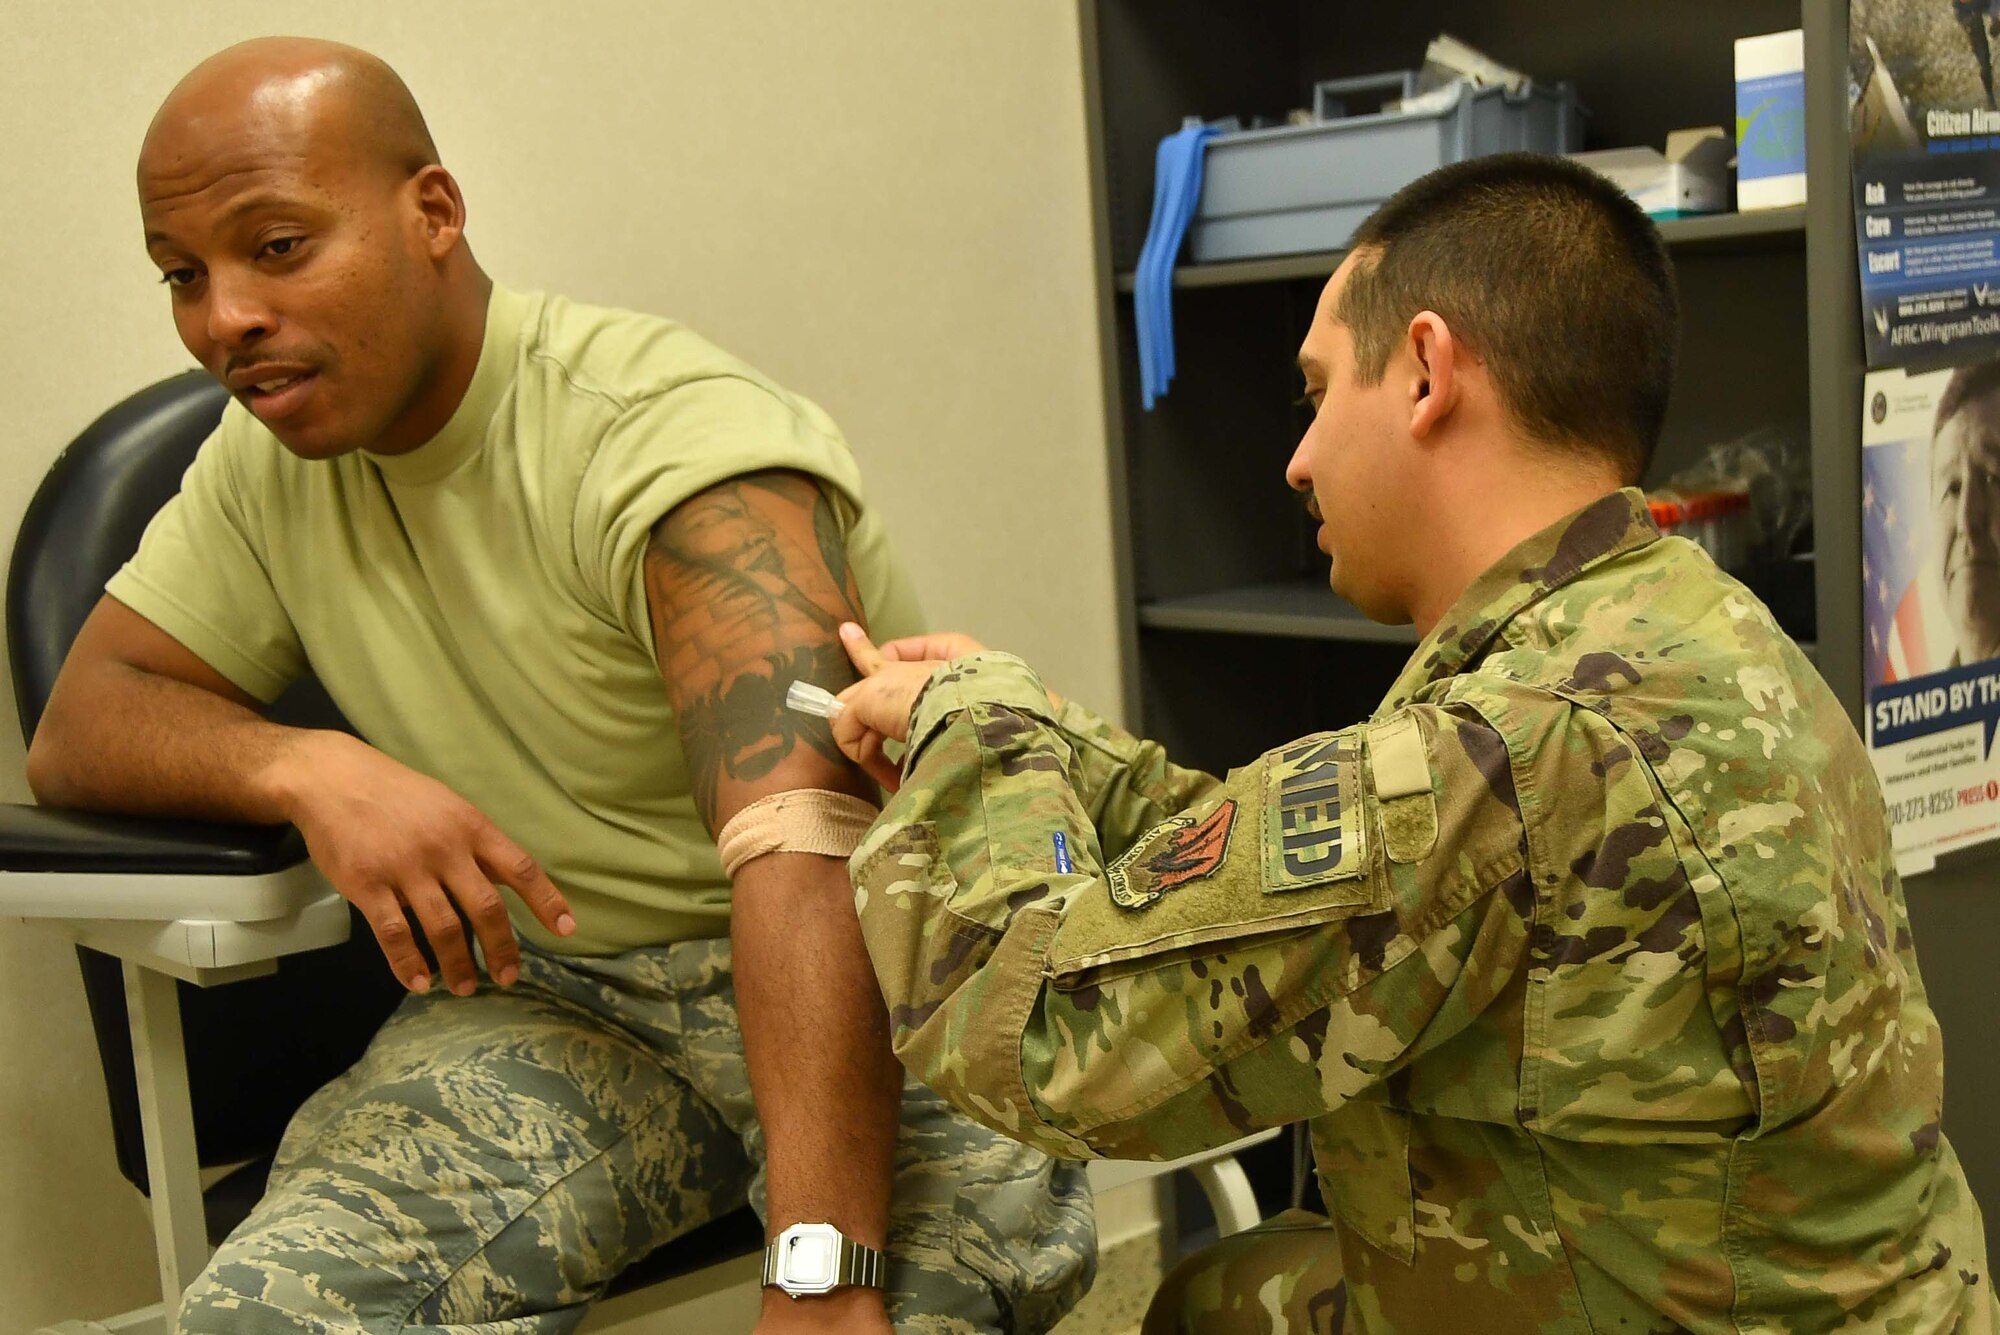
x=803, y=820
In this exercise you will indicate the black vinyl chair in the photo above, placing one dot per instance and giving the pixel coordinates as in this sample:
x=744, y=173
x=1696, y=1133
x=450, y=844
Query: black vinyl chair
x=280, y=984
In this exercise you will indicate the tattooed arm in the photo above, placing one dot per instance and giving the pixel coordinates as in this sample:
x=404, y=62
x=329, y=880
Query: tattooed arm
x=746, y=584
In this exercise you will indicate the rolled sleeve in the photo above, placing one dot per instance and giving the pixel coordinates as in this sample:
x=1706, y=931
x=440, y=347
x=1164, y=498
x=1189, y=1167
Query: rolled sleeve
x=675, y=444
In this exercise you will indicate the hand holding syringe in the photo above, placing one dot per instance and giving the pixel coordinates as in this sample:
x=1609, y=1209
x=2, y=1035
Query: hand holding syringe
x=893, y=680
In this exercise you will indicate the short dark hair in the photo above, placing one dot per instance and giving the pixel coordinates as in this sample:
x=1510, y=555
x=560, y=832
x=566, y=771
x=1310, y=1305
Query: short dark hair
x=1548, y=273
x=1967, y=383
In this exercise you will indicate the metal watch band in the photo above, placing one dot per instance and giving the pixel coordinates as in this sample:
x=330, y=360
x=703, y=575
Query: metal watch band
x=854, y=1264
x=860, y=1264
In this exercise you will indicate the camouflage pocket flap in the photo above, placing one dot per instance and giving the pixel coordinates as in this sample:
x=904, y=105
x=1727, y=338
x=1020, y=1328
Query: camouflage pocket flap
x=1362, y=1153
x=1399, y=764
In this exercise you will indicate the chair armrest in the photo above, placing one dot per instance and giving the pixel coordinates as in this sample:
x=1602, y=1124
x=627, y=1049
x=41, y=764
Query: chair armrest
x=77, y=866
x=54, y=839
x=1105, y=1174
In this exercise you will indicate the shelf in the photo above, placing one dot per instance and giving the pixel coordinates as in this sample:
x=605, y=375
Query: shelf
x=1266, y=269
x=1737, y=233
x=1714, y=234
x=1301, y=609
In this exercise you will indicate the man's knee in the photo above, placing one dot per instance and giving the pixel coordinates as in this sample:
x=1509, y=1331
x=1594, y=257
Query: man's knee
x=1283, y=1275
x=489, y=1158
x=242, y=1297
x=323, y=1255
x=984, y=1230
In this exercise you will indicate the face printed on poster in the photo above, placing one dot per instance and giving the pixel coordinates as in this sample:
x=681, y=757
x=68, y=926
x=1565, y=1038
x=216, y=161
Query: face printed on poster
x=1931, y=600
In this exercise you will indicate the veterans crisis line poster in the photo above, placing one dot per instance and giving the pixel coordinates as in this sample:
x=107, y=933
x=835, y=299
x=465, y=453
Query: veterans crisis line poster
x=1931, y=603
x=1925, y=134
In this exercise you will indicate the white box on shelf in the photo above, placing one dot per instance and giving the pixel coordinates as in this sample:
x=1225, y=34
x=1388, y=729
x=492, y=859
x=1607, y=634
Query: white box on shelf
x=1771, y=120
x=1692, y=176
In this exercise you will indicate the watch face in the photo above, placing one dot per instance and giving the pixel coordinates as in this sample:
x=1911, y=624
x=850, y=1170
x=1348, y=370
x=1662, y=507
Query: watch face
x=809, y=1259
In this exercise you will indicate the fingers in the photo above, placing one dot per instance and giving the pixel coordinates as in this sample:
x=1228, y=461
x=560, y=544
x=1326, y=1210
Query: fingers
x=433, y=910
x=510, y=865
x=878, y=766
x=848, y=732
x=863, y=745
x=469, y=888
x=868, y=660
x=487, y=912
x=384, y=912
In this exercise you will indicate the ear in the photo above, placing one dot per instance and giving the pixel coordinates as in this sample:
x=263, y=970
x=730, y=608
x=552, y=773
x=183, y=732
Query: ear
x=441, y=209
x=1435, y=362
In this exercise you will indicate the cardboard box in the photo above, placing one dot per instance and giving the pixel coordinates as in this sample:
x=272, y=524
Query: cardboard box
x=1771, y=120
x=1692, y=176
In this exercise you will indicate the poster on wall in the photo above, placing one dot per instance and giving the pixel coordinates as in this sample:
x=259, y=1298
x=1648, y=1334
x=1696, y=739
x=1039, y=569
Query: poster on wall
x=1930, y=536
x=1925, y=128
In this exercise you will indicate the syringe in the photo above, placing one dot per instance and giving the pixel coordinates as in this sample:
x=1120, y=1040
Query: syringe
x=807, y=698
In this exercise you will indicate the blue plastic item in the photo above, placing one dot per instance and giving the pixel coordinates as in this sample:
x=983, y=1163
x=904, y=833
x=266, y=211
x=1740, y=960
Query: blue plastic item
x=1177, y=171
x=1294, y=188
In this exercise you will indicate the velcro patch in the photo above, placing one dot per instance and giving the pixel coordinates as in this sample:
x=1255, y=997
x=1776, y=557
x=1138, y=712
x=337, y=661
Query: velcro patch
x=1313, y=831
x=1184, y=849
x=1398, y=759
x=1399, y=765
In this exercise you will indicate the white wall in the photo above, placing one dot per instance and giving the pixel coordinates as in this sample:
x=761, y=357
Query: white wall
x=882, y=202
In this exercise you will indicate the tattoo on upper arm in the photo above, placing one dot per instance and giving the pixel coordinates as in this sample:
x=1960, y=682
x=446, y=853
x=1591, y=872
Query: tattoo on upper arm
x=747, y=583
x=832, y=546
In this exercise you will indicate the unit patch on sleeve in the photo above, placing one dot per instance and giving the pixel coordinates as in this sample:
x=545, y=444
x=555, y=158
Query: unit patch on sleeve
x=1184, y=849
x=1313, y=819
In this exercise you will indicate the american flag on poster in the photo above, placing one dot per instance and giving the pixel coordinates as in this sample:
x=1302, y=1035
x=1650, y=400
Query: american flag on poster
x=1931, y=720
x=1906, y=632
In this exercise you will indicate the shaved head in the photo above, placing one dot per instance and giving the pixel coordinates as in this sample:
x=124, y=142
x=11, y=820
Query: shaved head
x=314, y=245
x=316, y=92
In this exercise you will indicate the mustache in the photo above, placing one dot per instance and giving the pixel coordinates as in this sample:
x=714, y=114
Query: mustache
x=266, y=357
x=1311, y=504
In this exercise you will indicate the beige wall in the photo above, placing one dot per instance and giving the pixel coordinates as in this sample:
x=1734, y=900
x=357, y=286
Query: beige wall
x=882, y=202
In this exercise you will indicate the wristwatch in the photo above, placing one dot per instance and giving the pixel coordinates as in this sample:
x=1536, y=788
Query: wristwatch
x=808, y=1259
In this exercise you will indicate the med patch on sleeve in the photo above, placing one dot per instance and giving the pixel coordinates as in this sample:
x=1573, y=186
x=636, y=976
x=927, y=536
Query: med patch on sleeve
x=1315, y=826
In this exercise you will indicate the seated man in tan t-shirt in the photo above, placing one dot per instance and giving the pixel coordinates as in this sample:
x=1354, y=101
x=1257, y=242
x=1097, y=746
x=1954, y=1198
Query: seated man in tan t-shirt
x=558, y=566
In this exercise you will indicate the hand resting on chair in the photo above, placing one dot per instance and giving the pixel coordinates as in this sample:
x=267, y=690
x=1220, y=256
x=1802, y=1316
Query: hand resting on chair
x=138, y=724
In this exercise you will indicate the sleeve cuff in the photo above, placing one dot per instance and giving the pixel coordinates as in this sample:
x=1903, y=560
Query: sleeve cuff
x=988, y=678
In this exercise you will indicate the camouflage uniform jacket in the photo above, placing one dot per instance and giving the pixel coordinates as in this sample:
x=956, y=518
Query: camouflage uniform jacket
x=1586, y=956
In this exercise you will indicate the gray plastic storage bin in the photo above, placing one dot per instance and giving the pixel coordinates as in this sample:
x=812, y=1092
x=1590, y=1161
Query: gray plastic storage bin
x=1307, y=187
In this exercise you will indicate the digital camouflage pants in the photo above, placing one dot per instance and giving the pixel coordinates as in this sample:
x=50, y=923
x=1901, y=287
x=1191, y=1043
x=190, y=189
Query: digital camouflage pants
x=493, y=1161
x=1280, y=1278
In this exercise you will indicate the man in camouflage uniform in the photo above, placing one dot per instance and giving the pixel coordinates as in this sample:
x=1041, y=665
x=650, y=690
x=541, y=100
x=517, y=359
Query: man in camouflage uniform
x=1585, y=954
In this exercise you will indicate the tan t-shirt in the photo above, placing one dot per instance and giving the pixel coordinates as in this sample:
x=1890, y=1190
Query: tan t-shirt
x=476, y=607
